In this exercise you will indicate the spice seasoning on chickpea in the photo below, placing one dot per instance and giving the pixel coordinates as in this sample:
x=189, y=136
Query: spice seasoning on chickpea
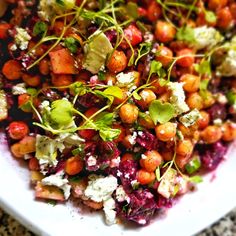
x=132, y=98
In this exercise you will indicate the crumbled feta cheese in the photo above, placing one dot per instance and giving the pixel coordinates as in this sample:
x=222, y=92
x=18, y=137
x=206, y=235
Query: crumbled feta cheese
x=27, y=156
x=19, y=89
x=13, y=47
x=46, y=149
x=168, y=185
x=22, y=38
x=121, y=195
x=142, y=221
x=115, y=162
x=134, y=183
x=125, y=79
x=177, y=97
x=221, y=98
x=59, y=181
x=109, y=83
x=132, y=139
x=92, y=161
x=100, y=188
x=70, y=139
x=206, y=37
x=109, y=210
x=217, y=122
x=190, y=118
x=228, y=66
x=143, y=156
x=49, y=8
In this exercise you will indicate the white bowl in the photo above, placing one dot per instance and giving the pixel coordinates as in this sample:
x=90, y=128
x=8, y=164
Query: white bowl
x=195, y=211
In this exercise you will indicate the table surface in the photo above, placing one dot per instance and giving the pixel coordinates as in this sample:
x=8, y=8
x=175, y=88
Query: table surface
x=226, y=226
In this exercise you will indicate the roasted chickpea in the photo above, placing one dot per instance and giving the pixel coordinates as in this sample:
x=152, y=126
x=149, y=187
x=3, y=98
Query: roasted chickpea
x=117, y=62
x=92, y=204
x=157, y=88
x=44, y=67
x=165, y=132
x=146, y=121
x=217, y=4
x=184, y=147
x=150, y=160
x=164, y=55
x=128, y=141
x=127, y=156
x=211, y=134
x=144, y=177
x=194, y=100
x=186, y=57
x=74, y=165
x=164, y=31
x=224, y=18
x=190, y=82
x=15, y=150
x=208, y=100
x=128, y=113
x=61, y=80
x=229, y=131
x=147, y=96
x=153, y=11
x=31, y=80
x=204, y=120
x=122, y=132
x=18, y=130
x=181, y=161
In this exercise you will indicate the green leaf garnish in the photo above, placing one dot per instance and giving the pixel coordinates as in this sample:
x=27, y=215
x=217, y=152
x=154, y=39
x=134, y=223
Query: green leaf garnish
x=40, y=28
x=186, y=34
x=231, y=96
x=161, y=112
x=101, y=76
x=210, y=16
x=131, y=9
x=72, y=44
x=196, y=179
x=32, y=91
x=156, y=68
x=144, y=49
x=62, y=112
x=113, y=91
x=203, y=68
x=193, y=165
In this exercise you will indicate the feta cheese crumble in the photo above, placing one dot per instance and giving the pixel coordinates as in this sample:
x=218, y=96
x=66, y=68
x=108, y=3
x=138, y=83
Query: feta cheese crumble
x=125, y=79
x=22, y=38
x=190, y=118
x=19, y=89
x=109, y=210
x=100, y=188
x=121, y=195
x=59, y=181
x=177, y=97
x=206, y=37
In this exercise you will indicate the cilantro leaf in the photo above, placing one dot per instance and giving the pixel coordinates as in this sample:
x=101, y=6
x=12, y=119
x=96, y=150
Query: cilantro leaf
x=156, y=68
x=108, y=134
x=161, y=112
x=186, y=34
x=210, y=16
x=40, y=28
x=144, y=49
x=196, y=179
x=72, y=44
x=79, y=88
x=203, y=68
x=62, y=112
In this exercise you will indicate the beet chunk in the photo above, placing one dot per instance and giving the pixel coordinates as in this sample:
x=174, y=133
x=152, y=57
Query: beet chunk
x=147, y=140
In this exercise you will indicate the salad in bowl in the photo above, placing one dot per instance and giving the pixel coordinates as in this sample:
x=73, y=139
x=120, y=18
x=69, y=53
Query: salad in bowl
x=122, y=105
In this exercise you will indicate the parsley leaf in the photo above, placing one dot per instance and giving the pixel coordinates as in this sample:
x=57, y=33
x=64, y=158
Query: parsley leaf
x=72, y=44
x=79, y=88
x=203, y=68
x=161, y=112
x=144, y=49
x=40, y=28
x=186, y=34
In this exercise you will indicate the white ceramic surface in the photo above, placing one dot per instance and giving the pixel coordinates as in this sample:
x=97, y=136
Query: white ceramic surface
x=195, y=211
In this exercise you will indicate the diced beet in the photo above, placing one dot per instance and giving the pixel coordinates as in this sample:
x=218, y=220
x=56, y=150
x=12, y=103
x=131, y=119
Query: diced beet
x=111, y=35
x=164, y=202
x=147, y=140
x=212, y=156
x=140, y=209
x=88, y=100
x=217, y=111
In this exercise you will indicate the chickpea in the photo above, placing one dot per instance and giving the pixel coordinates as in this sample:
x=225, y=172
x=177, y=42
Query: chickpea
x=34, y=164
x=61, y=80
x=74, y=165
x=44, y=67
x=128, y=141
x=229, y=131
x=118, y=101
x=164, y=97
x=147, y=96
x=181, y=161
x=144, y=177
x=194, y=100
x=167, y=155
x=153, y=11
x=204, y=120
x=191, y=83
x=127, y=156
x=164, y=31
x=164, y=55
x=117, y=62
x=211, y=134
x=184, y=147
x=224, y=18
x=15, y=150
x=151, y=160
x=146, y=122
x=216, y=4
x=18, y=130
x=188, y=131
x=122, y=132
x=128, y=113
x=208, y=100
x=187, y=57
x=31, y=80
x=165, y=132
x=158, y=89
